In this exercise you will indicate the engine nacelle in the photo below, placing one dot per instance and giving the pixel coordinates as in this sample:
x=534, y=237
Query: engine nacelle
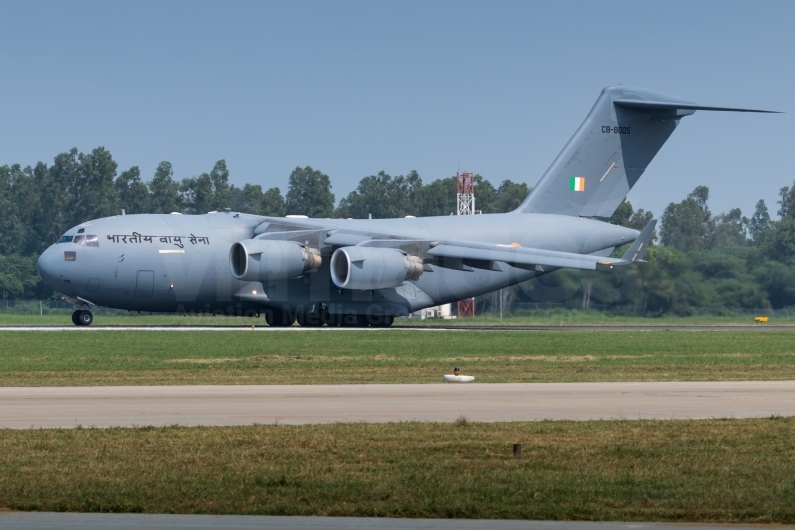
x=372, y=268
x=257, y=260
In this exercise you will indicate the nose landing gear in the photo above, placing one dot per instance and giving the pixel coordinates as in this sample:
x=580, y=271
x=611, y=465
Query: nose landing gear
x=82, y=317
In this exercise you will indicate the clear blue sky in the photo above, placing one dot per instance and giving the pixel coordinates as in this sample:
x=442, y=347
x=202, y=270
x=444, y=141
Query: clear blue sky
x=352, y=88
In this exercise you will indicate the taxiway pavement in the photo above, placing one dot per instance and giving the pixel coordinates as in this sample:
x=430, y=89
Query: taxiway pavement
x=65, y=407
x=138, y=521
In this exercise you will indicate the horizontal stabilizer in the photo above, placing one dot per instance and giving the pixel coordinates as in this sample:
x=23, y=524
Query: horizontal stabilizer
x=642, y=104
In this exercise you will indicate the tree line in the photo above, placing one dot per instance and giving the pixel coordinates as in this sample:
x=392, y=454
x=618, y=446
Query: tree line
x=39, y=203
x=699, y=259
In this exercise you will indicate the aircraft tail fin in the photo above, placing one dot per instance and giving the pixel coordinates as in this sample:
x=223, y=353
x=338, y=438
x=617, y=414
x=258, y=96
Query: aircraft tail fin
x=609, y=152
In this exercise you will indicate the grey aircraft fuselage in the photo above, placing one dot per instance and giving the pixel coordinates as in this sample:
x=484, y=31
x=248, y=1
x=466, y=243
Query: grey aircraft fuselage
x=180, y=263
x=239, y=264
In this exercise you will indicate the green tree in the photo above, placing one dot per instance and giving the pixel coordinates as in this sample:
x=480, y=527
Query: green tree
x=272, y=203
x=759, y=226
x=24, y=199
x=58, y=185
x=439, y=198
x=780, y=244
x=383, y=197
x=623, y=214
x=132, y=191
x=684, y=224
x=486, y=200
x=309, y=193
x=16, y=273
x=661, y=276
x=787, y=202
x=96, y=194
x=164, y=191
x=640, y=219
x=249, y=199
x=701, y=195
x=222, y=191
x=11, y=228
x=510, y=195
x=778, y=279
x=196, y=194
x=254, y=201
x=727, y=230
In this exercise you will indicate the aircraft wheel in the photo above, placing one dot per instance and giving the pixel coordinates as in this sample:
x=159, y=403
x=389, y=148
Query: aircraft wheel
x=385, y=321
x=310, y=319
x=327, y=318
x=279, y=319
x=380, y=321
x=85, y=318
x=334, y=321
x=349, y=321
x=75, y=317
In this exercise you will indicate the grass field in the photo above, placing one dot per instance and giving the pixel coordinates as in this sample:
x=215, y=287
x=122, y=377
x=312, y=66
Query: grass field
x=56, y=358
x=538, y=318
x=709, y=471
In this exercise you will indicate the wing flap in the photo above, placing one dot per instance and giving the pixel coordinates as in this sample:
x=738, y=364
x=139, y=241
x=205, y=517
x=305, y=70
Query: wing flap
x=480, y=257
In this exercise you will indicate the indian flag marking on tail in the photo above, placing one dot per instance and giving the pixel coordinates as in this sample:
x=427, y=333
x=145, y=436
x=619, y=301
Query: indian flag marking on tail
x=577, y=184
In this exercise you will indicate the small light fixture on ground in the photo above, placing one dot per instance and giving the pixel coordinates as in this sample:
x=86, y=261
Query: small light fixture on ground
x=456, y=377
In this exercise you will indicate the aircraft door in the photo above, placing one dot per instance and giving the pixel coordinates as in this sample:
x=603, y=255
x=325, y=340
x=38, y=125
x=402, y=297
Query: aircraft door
x=144, y=284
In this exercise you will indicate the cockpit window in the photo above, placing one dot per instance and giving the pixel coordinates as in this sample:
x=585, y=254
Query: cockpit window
x=90, y=240
x=81, y=230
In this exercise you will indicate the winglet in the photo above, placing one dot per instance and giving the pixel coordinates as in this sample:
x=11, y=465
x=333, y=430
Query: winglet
x=638, y=248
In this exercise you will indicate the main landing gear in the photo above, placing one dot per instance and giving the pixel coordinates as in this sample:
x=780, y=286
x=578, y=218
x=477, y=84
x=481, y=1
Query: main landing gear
x=82, y=317
x=318, y=315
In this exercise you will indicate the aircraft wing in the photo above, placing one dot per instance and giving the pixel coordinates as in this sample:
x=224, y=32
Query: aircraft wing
x=479, y=255
x=465, y=255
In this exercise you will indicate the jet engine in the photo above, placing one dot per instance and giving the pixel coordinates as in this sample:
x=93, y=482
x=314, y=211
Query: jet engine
x=372, y=268
x=257, y=260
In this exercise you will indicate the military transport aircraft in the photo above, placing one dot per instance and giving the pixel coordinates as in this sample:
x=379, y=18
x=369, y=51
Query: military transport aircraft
x=359, y=272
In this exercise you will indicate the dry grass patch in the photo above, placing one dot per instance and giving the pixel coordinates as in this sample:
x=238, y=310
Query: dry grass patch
x=706, y=471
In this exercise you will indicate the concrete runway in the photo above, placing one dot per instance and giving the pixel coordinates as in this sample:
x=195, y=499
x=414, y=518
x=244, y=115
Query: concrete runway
x=66, y=407
x=80, y=521
x=298, y=329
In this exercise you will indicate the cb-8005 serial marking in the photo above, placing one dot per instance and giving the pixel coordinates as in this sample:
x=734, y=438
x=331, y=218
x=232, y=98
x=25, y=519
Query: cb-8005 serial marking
x=615, y=129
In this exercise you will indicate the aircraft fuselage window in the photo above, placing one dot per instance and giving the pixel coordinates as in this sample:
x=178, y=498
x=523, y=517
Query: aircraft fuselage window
x=69, y=255
x=65, y=239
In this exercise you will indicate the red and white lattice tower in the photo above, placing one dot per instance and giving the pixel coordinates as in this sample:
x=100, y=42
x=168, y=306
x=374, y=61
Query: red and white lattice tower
x=465, y=199
x=465, y=193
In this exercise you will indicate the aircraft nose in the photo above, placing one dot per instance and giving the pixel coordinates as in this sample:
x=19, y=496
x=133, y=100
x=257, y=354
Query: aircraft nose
x=48, y=266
